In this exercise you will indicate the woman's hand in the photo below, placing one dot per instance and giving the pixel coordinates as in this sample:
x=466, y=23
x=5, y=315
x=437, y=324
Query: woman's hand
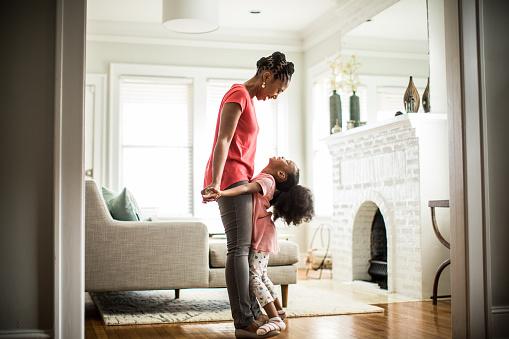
x=210, y=193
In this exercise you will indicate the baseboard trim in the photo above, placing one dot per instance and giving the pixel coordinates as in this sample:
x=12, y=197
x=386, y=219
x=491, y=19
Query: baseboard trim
x=500, y=321
x=499, y=309
x=17, y=334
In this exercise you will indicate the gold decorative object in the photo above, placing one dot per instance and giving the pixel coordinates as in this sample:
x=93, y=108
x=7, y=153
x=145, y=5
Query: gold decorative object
x=426, y=105
x=411, y=99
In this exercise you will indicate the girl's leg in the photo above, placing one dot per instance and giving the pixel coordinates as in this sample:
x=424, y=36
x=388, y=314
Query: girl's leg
x=237, y=218
x=257, y=265
x=272, y=290
x=256, y=285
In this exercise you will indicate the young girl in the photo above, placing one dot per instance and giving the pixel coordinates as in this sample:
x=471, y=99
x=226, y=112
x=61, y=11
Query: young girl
x=277, y=186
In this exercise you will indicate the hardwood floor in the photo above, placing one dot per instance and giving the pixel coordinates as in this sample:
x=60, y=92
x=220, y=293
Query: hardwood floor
x=400, y=320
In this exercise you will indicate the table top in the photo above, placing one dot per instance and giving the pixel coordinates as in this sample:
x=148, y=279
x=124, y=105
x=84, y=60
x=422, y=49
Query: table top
x=438, y=203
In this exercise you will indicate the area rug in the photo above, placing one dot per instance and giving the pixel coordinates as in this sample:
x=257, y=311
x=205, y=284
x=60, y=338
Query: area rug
x=203, y=305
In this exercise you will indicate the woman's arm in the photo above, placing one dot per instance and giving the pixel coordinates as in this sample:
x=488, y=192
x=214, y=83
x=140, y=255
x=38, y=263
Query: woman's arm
x=251, y=187
x=230, y=116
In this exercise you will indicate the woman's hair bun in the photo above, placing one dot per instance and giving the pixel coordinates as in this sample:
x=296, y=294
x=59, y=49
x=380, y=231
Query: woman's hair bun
x=278, y=58
x=263, y=62
x=277, y=64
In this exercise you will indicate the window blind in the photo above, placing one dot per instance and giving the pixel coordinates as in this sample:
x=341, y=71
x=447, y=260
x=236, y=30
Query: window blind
x=155, y=125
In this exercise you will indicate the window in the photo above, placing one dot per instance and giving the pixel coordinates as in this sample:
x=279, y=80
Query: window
x=321, y=159
x=266, y=147
x=155, y=160
x=389, y=101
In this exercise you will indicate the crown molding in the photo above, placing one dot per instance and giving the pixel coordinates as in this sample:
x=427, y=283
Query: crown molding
x=228, y=38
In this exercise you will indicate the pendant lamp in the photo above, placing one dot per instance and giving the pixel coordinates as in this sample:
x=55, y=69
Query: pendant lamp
x=190, y=16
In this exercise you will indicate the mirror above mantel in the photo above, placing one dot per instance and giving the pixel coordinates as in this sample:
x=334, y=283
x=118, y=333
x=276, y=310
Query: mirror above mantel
x=403, y=40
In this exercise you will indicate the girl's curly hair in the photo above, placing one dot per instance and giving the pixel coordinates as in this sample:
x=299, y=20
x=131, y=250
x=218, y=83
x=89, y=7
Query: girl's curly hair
x=293, y=206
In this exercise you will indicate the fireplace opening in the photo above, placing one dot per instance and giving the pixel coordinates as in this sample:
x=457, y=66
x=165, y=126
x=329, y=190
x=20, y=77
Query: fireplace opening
x=378, y=262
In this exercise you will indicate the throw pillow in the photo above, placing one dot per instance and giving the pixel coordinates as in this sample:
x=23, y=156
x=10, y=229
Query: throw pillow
x=123, y=206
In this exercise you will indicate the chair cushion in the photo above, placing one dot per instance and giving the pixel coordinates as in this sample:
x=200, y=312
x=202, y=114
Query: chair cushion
x=288, y=253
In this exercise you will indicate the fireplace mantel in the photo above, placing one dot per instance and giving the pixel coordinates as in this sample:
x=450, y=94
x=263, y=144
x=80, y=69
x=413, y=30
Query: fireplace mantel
x=415, y=119
x=396, y=166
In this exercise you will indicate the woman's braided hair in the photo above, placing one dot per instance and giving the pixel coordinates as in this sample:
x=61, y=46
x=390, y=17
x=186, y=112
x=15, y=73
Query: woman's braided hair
x=277, y=65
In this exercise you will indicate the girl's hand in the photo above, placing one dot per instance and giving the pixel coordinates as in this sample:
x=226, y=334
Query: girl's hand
x=210, y=193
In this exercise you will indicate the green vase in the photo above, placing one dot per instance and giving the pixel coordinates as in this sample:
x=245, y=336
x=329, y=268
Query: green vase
x=334, y=109
x=355, y=112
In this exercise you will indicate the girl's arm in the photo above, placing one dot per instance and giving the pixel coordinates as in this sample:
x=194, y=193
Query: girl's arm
x=251, y=187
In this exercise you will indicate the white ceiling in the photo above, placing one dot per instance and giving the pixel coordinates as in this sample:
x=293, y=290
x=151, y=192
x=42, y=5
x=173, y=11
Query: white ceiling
x=405, y=20
x=279, y=15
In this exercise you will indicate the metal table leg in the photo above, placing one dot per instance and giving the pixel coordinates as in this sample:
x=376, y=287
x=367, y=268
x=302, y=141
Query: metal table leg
x=433, y=204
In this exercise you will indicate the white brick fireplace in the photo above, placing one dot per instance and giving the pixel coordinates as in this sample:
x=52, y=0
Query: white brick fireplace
x=396, y=166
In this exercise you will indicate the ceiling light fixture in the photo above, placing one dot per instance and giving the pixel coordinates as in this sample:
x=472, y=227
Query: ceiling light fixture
x=196, y=16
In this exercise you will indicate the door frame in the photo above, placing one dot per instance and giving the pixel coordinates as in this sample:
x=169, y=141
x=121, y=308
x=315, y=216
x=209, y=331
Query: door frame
x=459, y=316
x=69, y=159
x=69, y=278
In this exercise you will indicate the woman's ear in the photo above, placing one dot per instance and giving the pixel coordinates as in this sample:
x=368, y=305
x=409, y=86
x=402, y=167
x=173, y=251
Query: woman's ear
x=266, y=76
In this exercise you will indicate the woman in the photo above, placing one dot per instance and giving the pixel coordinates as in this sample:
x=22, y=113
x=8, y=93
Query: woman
x=231, y=164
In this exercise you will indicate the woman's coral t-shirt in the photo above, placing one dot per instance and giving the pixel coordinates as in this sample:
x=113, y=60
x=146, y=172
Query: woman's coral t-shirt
x=239, y=164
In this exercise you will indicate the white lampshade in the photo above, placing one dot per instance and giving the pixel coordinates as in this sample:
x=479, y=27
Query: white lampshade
x=190, y=16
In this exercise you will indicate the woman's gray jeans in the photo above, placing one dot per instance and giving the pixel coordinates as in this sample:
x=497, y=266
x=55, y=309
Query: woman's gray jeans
x=237, y=218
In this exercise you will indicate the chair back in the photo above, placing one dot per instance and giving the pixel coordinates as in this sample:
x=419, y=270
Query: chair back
x=96, y=211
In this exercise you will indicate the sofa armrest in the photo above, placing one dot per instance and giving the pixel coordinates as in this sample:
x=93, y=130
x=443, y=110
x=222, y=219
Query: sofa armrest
x=145, y=255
